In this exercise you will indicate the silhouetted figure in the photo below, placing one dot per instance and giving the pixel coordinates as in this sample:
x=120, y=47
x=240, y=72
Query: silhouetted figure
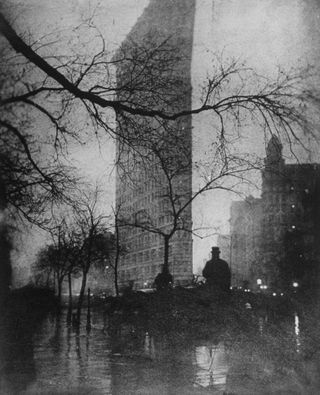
x=163, y=280
x=217, y=273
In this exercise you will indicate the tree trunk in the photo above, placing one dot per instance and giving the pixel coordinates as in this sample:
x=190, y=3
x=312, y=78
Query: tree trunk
x=116, y=286
x=166, y=254
x=116, y=262
x=59, y=280
x=54, y=282
x=88, y=312
x=69, y=315
x=81, y=295
x=164, y=280
x=48, y=285
x=115, y=270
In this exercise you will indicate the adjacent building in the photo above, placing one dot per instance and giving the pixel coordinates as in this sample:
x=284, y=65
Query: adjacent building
x=245, y=239
x=276, y=238
x=291, y=220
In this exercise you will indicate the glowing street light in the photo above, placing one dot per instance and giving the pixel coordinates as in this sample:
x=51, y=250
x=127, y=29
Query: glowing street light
x=295, y=284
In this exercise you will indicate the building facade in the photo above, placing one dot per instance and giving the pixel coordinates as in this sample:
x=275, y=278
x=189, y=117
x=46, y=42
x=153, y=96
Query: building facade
x=281, y=230
x=290, y=224
x=154, y=171
x=245, y=239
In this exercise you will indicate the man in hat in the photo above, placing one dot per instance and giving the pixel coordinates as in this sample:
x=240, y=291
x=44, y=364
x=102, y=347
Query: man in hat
x=217, y=273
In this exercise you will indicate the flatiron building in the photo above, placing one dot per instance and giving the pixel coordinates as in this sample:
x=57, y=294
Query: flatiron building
x=149, y=178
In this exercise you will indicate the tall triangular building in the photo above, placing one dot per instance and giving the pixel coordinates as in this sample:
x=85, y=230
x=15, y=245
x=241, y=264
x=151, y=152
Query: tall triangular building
x=154, y=171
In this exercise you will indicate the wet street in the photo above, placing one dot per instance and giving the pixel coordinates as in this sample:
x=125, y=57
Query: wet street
x=129, y=359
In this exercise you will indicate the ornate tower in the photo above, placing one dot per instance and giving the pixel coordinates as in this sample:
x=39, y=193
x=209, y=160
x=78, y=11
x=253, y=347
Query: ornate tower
x=273, y=190
x=274, y=161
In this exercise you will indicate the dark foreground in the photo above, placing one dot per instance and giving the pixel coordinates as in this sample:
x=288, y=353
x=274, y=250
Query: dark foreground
x=181, y=343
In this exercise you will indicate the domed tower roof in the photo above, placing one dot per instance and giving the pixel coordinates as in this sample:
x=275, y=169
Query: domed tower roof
x=274, y=151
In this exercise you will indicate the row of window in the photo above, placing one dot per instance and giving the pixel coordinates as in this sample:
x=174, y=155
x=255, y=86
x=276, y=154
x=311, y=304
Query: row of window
x=137, y=239
x=154, y=254
x=146, y=256
x=148, y=271
x=136, y=272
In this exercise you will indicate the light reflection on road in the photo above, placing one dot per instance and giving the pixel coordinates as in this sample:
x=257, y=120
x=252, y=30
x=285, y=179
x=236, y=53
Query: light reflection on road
x=297, y=331
x=132, y=360
x=212, y=366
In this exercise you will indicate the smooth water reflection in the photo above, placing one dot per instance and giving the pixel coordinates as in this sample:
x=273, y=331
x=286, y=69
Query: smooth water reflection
x=297, y=331
x=212, y=366
x=58, y=359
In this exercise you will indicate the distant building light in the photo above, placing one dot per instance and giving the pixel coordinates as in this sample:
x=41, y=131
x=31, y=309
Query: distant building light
x=306, y=190
x=281, y=294
x=259, y=281
x=274, y=294
x=293, y=227
x=295, y=284
x=293, y=205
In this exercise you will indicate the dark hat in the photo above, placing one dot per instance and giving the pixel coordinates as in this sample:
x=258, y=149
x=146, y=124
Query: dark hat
x=215, y=249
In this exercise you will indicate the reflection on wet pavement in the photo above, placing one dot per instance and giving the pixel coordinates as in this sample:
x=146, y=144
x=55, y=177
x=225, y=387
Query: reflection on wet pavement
x=212, y=367
x=58, y=359
x=297, y=331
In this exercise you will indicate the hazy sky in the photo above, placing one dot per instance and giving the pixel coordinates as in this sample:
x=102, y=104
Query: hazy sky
x=265, y=33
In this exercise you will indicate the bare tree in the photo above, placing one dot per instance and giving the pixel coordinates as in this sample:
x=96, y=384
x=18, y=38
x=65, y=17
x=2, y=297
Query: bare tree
x=60, y=258
x=152, y=86
x=88, y=226
x=166, y=164
x=35, y=178
x=149, y=93
x=117, y=248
